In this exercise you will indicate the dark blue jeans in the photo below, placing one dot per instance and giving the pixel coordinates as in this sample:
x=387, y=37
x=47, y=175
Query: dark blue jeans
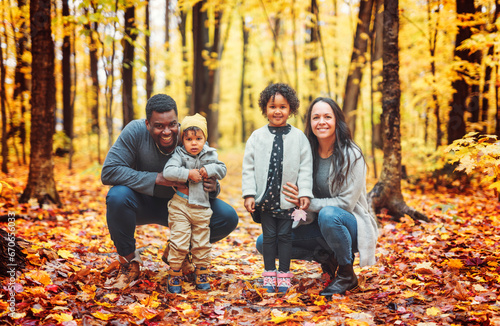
x=334, y=231
x=127, y=208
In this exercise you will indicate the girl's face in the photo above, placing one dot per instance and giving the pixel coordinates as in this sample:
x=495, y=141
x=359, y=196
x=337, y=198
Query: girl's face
x=323, y=121
x=277, y=111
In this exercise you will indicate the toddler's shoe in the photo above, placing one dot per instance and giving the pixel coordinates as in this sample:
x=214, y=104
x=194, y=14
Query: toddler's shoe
x=269, y=281
x=201, y=279
x=284, y=281
x=187, y=264
x=174, y=281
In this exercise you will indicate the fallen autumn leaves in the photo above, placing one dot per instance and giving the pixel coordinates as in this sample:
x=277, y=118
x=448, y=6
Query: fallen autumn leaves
x=440, y=273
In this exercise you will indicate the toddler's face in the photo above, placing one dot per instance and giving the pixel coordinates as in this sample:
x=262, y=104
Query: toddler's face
x=193, y=141
x=277, y=111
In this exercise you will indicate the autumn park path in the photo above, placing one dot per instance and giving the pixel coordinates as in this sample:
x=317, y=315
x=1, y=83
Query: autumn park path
x=440, y=273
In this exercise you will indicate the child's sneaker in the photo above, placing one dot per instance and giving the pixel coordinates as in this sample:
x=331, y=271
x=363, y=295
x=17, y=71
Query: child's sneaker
x=174, y=281
x=201, y=279
x=284, y=281
x=269, y=281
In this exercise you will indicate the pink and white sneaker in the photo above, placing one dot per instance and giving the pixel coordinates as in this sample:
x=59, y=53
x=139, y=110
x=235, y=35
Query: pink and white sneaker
x=269, y=281
x=284, y=281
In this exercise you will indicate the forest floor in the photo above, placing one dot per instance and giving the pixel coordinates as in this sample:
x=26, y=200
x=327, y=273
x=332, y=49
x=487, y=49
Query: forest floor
x=445, y=272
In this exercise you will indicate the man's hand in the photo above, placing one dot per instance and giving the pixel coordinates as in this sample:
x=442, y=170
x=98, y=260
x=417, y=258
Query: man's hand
x=160, y=180
x=210, y=184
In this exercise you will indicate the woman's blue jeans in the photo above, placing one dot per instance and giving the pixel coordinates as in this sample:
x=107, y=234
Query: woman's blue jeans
x=127, y=208
x=335, y=231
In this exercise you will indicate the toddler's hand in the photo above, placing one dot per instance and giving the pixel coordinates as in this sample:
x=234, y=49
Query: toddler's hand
x=194, y=175
x=250, y=204
x=203, y=173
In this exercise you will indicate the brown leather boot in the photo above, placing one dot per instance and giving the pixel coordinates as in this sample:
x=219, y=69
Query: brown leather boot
x=130, y=270
x=346, y=280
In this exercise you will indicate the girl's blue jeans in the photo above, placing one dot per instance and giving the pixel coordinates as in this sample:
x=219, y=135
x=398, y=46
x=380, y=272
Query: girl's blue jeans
x=335, y=231
x=127, y=208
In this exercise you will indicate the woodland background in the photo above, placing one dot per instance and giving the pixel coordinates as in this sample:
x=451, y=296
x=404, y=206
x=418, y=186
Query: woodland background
x=72, y=74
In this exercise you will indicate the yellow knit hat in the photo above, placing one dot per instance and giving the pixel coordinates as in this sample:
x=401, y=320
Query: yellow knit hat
x=196, y=120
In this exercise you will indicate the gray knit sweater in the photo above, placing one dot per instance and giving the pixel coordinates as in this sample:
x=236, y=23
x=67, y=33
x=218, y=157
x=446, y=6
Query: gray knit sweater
x=297, y=164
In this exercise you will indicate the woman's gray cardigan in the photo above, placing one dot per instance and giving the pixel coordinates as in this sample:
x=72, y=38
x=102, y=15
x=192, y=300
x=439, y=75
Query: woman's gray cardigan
x=352, y=198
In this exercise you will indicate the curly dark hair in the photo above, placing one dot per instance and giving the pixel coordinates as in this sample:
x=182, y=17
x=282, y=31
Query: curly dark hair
x=285, y=90
x=160, y=103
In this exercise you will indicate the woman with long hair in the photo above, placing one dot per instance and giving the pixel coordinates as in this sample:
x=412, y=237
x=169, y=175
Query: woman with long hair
x=339, y=221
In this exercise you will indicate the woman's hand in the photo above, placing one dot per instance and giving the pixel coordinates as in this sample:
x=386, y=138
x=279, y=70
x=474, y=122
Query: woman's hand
x=291, y=192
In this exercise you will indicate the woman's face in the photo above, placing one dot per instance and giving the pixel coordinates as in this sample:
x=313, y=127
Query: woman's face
x=323, y=121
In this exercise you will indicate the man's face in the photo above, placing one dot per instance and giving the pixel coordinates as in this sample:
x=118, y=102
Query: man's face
x=164, y=128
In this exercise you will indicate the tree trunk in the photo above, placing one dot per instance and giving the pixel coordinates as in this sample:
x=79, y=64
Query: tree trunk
x=68, y=109
x=149, y=78
x=185, y=61
x=245, y=34
x=358, y=61
x=21, y=83
x=205, y=77
x=377, y=42
x=313, y=61
x=41, y=184
x=433, y=31
x=128, y=65
x=5, y=149
x=12, y=257
x=200, y=95
x=167, y=42
x=95, y=128
x=456, y=123
x=387, y=192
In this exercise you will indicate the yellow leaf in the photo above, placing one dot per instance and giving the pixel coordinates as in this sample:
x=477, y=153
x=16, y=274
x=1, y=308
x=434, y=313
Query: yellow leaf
x=424, y=268
x=455, y=263
x=111, y=296
x=37, y=310
x=102, y=315
x=278, y=316
x=433, y=311
x=62, y=317
x=354, y=322
x=139, y=311
x=65, y=253
x=39, y=276
x=17, y=315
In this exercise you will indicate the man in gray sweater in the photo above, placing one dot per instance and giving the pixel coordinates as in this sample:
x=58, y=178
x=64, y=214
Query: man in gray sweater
x=139, y=194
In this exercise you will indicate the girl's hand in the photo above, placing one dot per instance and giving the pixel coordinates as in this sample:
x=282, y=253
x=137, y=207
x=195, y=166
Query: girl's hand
x=291, y=192
x=250, y=204
x=304, y=203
